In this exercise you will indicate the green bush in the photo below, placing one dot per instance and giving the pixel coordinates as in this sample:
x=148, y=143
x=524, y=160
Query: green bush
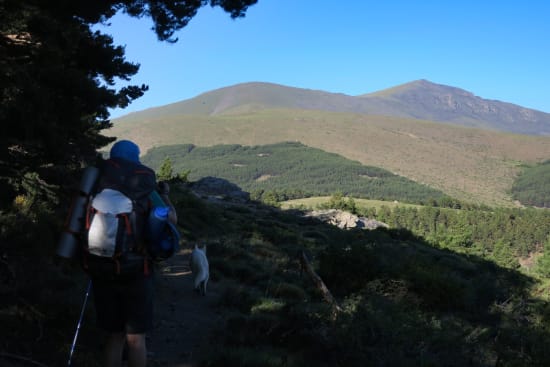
x=347, y=269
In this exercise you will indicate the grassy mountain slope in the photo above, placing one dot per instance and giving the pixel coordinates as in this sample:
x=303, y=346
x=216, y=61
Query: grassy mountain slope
x=420, y=99
x=248, y=97
x=469, y=164
x=290, y=167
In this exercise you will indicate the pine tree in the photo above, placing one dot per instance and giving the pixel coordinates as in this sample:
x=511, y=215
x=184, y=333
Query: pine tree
x=57, y=80
x=166, y=172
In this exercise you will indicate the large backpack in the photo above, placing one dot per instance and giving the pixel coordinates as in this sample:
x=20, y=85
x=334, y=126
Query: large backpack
x=116, y=219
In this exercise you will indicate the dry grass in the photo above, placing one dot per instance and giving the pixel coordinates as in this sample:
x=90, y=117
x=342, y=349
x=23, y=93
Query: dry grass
x=469, y=164
x=314, y=202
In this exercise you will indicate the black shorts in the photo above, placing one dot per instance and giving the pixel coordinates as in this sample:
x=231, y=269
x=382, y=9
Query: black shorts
x=124, y=305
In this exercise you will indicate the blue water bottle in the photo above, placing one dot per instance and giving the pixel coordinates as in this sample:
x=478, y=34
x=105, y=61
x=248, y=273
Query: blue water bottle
x=157, y=222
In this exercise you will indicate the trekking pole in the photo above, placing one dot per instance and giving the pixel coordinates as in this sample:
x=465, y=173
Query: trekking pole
x=79, y=322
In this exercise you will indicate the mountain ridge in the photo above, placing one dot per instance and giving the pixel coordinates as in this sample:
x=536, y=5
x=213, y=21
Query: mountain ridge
x=437, y=102
x=419, y=99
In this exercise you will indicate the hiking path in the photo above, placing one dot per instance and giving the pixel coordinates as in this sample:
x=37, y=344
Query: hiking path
x=183, y=318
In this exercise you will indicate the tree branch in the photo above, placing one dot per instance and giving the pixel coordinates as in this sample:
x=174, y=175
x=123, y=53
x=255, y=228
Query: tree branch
x=320, y=285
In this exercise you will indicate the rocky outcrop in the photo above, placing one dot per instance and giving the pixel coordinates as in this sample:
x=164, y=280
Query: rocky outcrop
x=345, y=220
x=219, y=188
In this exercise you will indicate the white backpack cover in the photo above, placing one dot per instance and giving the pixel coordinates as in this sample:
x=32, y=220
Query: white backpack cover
x=108, y=206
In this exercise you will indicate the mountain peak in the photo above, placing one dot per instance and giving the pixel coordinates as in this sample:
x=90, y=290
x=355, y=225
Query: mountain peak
x=419, y=86
x=426, y=100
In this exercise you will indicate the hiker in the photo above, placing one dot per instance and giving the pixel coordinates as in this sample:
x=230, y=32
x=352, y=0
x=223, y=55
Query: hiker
x=124, y=303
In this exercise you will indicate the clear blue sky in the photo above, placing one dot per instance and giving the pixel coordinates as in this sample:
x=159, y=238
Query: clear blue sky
x=494, y=49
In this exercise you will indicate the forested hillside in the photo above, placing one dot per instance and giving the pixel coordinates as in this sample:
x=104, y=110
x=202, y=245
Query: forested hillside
x=290, y=170
x=532, y=187
x=469, y=164
x=503, y=235
x=509, y=237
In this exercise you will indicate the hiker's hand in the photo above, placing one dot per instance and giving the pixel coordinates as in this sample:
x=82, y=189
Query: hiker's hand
x=164, y=188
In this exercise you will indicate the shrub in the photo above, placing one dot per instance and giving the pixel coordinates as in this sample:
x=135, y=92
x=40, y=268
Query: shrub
x=288, y=291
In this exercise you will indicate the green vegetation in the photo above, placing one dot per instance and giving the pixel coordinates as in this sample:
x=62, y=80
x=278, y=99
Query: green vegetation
x=442, y=287
x=57, y=85
x=532, y=187
x=504, y=235
x=290, y=170
x=404, y=300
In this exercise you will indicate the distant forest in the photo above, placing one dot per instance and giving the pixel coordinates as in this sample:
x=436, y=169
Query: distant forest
x=291, y=169
x=533, y=186
x=503, y=235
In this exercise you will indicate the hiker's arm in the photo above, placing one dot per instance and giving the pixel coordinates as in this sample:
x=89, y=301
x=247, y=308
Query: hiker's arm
x=172, y=215
x=164, y=189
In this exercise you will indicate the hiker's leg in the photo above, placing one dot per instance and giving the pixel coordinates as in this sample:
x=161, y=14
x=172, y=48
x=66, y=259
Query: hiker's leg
x=139, y=319
x=113, y=349
x=137, y=350
x=109, y=318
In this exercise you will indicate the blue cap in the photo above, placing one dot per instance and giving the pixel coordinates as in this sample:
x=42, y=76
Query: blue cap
x=125, y=149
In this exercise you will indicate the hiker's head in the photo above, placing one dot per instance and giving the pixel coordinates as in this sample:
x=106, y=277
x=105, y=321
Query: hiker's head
x=125, y=149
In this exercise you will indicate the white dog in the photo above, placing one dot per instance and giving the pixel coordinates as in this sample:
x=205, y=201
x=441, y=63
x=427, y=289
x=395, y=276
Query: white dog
x=199, y=267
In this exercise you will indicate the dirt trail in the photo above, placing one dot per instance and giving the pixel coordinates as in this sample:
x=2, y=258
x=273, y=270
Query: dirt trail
x=183, y=318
